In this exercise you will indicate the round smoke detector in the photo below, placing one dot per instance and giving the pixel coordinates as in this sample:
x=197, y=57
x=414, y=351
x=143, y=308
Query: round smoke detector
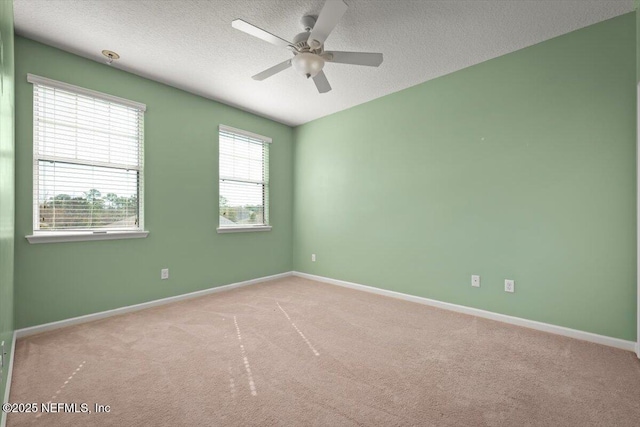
x=111, y=55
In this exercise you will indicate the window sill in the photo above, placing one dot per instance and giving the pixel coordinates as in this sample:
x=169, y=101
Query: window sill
x=82, y=236
x=222, y=230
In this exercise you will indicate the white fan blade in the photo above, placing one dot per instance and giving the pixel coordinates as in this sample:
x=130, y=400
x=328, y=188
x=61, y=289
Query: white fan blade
x=244, y=26
x=322, y=83
x=354, y=58
x=329, y=17
x=273, y=70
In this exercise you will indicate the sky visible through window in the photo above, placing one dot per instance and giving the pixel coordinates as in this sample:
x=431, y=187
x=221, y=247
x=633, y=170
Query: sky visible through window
x=88, y=160
x=243, y=179
x=241, y=160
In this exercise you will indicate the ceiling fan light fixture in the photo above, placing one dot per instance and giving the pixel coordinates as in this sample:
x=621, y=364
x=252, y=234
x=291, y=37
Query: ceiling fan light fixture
x=308, y=64
x=308, y=47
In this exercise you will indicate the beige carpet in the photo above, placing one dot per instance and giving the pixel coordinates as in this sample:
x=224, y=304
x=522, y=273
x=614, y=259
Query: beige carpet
x=295, y=352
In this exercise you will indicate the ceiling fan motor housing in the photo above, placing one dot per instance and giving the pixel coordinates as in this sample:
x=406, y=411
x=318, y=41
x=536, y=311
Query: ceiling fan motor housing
x=301, y=45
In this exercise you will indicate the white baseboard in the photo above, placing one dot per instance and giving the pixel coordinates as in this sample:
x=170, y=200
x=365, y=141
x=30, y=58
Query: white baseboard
x=7, y=388
x=32, y=330
x=532, y=324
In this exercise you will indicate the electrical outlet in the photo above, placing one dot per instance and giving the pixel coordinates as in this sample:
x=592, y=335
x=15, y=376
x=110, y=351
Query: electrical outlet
x=509, y=285
x=164, y=273
x=313, y=257
x=475, y=281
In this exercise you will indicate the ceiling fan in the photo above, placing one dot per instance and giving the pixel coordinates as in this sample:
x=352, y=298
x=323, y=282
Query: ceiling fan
x=309, y=55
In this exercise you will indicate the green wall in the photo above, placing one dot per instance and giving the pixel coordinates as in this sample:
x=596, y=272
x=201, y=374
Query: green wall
x=61, y=280
x=522, y=167
x=637, y=7
x=7, y=172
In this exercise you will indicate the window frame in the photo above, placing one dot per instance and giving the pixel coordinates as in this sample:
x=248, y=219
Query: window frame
x=55, y=236
x=266, y=141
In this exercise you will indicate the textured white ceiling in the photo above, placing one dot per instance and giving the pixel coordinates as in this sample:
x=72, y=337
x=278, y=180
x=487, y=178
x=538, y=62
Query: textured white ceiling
x=191, y=44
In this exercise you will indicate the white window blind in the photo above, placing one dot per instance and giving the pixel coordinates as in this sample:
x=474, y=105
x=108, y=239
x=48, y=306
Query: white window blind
x=87, y=159
x=244, y=179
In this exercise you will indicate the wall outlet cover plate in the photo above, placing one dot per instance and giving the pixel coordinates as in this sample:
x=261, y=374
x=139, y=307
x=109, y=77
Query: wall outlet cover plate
x=509, y=285
x=475, y=281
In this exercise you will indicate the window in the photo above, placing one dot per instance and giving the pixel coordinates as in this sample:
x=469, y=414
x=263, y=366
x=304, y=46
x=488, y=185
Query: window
x=244, y=181
x=87, y=161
